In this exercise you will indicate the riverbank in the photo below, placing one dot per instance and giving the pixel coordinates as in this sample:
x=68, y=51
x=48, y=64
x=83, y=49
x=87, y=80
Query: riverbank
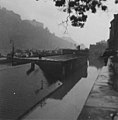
x=102, y=102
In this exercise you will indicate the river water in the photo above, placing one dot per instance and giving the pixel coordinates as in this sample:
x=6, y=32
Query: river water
x=67, y=102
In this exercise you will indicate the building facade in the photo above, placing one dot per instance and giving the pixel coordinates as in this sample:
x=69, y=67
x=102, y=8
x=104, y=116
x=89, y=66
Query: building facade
x=113, y=39
x=98, y=48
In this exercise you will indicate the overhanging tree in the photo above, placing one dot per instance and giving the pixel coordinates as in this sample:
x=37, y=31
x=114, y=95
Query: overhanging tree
x=77, y=9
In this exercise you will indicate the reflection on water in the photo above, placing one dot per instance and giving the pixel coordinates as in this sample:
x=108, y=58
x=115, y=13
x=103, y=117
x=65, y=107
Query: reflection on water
x=22, y=83
x=17, y=90
x=70, y=81
x=96, y=61
x=66, y=103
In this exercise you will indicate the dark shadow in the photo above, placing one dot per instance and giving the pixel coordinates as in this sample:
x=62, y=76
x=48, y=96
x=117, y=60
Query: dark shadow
x=113, y=78
x=108, y=52
x=59, y=70
x=70, y=81
x=69, y=73
x=31, y=69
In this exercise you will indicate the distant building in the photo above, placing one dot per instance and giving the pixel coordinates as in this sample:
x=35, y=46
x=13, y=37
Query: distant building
x=82, y=46
x=113, y=39
x=98, y=48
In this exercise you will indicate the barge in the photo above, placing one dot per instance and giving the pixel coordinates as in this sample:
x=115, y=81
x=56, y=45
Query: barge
x=57, y=67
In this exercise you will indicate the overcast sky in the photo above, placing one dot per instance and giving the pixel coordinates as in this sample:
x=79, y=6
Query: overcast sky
x=96, y=28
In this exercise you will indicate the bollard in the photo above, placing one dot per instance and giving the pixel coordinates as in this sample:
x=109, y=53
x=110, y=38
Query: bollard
x=41, y=84
x=32, y=66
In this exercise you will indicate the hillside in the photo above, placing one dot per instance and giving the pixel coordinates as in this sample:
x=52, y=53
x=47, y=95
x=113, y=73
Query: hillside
x=27, y=34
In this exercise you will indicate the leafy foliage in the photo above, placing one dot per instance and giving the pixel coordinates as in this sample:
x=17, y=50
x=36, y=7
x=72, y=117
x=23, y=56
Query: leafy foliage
x=77, y=9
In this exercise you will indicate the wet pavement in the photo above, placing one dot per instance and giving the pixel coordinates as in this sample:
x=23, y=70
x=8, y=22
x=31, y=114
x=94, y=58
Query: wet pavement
x=102, y=103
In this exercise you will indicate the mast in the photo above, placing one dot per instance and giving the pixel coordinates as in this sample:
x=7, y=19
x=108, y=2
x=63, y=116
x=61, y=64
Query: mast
x=12, y=51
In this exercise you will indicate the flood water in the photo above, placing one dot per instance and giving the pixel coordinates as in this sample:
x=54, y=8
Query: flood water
x=67, y=102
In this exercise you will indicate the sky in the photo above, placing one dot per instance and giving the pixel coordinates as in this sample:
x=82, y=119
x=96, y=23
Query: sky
x=95, y=29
